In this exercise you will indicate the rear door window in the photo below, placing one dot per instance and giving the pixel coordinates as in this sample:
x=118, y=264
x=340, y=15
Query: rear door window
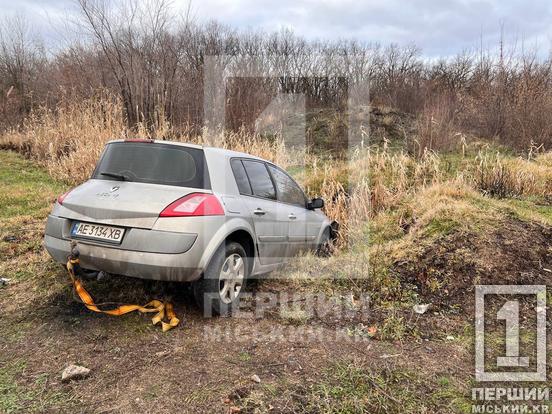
x=260, y=180
x=241, y=177
x=154, y=163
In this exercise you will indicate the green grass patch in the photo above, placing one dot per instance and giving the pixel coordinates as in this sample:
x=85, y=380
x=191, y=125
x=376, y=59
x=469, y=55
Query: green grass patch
x=347, y=387
x=15, y=332
x=440, y=226
x=529, y=210
x=36, y=398
x=25, y=188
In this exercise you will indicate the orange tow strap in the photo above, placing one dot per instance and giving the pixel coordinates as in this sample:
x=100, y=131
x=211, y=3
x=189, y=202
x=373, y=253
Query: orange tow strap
x=163, y=309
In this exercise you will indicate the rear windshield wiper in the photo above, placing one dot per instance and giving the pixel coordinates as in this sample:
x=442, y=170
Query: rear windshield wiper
x=115, y=175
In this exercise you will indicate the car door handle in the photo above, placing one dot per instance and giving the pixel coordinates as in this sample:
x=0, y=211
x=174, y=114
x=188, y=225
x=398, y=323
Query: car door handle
x=292, y=216
x=259, y=212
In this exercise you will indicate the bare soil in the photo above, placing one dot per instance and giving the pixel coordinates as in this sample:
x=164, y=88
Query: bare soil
x=204, y=365
x=515, y=252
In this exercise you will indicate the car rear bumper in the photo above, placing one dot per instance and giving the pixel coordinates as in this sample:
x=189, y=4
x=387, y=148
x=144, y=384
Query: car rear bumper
x=145, y=254
x=156, y=266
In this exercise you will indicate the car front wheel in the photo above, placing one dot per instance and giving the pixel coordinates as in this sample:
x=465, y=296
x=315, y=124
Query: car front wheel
x=325, y=246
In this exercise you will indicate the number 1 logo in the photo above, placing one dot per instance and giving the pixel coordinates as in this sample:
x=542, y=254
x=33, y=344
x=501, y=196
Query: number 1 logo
x=509, y=312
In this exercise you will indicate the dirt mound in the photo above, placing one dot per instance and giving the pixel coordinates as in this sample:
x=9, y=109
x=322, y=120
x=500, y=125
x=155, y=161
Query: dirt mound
x=391, y=125
x=327, y=129
x=445, y=272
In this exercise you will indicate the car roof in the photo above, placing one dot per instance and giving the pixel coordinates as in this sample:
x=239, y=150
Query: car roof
x=214, y=150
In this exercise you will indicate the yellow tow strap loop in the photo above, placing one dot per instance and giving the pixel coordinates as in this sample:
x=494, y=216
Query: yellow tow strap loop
x=162, y=309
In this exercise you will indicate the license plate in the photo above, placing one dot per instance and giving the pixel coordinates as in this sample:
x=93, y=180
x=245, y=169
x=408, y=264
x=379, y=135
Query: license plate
x=97, y=232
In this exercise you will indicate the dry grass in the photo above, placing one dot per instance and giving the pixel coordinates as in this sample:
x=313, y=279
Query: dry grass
x=502, y=177
x=435, y=127
x=372, y=181
x=69, y=140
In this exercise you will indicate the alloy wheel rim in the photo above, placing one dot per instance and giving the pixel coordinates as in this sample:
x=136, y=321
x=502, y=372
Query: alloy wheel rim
x=231, y=278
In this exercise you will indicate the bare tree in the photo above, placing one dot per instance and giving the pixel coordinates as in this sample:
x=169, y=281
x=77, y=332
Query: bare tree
x=22, y=60
x=140, y=52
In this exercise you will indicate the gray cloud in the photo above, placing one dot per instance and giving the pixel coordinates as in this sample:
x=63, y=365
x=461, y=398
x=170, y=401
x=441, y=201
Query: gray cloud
x=439, y=27
x=44, y=18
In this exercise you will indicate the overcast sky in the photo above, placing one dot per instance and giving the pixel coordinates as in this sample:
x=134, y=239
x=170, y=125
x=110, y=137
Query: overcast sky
x=439, y=27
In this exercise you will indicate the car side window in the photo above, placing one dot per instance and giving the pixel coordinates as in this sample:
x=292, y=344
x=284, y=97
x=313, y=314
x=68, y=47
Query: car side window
x=241, y=177
x=260, y=180
x=288, y=190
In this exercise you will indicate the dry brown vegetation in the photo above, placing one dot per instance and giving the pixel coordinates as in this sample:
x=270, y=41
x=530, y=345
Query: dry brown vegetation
x=156, y=63
x=69, y=140
x=376, y=179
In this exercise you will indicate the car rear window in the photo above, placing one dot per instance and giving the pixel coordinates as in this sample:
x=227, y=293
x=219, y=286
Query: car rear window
x=154, y=163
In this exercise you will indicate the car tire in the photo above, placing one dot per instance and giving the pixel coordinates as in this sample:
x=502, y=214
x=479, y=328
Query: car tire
x=325, y=247
x=223, y=282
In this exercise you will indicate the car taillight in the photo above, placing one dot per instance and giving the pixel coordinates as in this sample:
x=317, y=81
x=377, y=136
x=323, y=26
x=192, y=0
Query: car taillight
x=62, y=197
x=195, y=204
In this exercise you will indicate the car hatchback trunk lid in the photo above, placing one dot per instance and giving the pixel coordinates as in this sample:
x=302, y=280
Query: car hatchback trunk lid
x=121, y=203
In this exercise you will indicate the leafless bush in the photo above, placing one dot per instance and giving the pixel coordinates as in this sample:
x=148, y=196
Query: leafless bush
x=436, y=129
x=22, y=65
x=155, y=64
x=501, y=177
x=68, y=139
x=496, y=179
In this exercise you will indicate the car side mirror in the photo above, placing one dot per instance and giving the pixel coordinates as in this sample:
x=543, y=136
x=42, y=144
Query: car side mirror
x=315, y=203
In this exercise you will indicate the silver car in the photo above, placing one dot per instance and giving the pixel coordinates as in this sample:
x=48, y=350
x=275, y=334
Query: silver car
x=181, y=212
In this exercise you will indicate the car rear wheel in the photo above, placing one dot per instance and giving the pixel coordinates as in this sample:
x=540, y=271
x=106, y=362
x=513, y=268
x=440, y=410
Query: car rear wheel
x=224, y=280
